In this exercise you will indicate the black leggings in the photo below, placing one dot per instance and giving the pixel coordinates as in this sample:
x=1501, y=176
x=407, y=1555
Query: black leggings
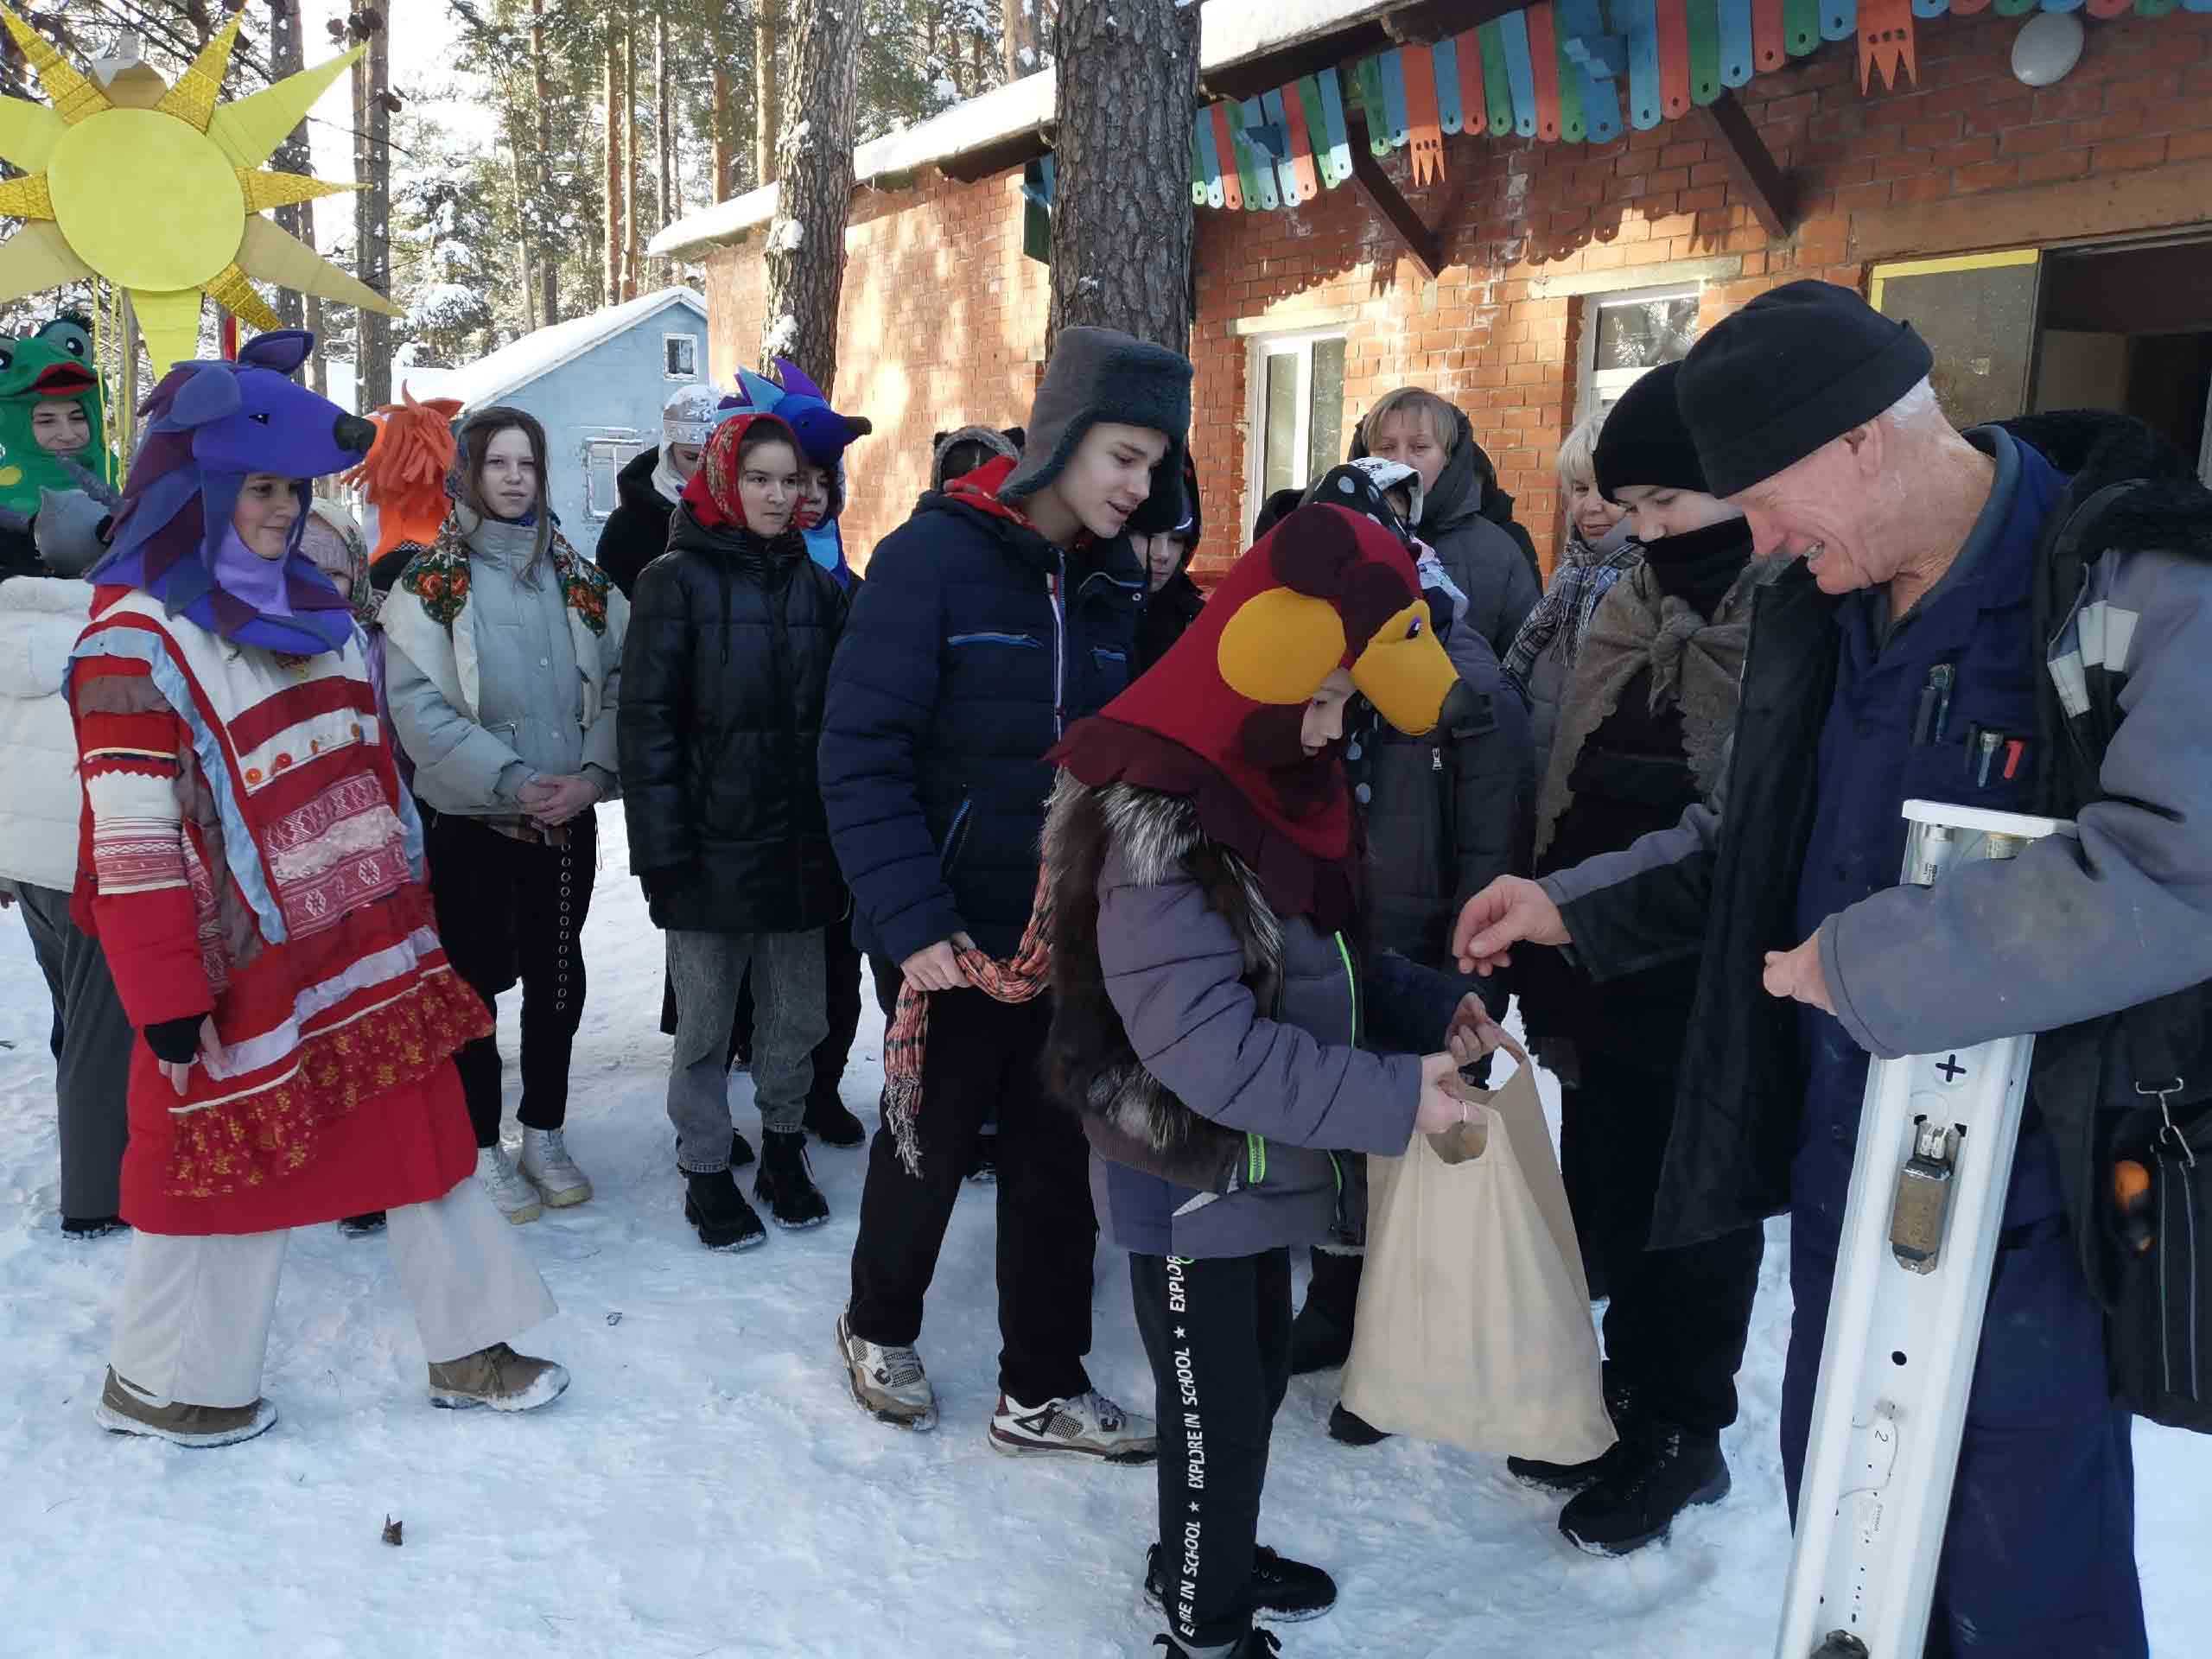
x=513, y=910
x=1217, y=1333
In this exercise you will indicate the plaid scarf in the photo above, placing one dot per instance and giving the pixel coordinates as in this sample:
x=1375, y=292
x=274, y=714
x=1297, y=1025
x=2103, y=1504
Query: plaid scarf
x=906, y=1044
x=1583, y=575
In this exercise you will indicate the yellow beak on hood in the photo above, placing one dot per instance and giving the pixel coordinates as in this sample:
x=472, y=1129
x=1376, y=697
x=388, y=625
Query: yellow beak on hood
x=1404, y=671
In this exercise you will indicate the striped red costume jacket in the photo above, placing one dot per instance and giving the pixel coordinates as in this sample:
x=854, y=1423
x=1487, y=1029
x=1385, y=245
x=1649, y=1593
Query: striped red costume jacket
x=248, y=852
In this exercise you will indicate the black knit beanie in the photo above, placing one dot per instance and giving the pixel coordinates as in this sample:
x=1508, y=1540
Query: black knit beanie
x=1796, y=368
x=1645, y=441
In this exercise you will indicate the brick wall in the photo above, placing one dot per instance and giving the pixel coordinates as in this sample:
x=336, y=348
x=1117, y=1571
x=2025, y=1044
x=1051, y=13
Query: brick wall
x=942, y=324
x=943, y=319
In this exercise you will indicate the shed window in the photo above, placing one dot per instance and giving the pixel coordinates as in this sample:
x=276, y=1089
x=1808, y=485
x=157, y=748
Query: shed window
x=679, y=356
x=607, y=451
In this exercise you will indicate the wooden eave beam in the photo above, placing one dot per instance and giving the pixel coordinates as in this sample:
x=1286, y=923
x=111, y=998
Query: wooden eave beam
x=1423, y=246
x=1767, y=190
x=994, y=159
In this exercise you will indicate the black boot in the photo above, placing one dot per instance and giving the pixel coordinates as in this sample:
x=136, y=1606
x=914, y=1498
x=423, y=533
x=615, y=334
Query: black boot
x=714, y=1205
x=1662, y=1470
x=785, y=1185
x=1284, y=1592
x=82, y=1227
x=367, y=1225
x=984, y=1163
x=1568, y=1478
x=1256, y=1644
x=1320, y=1337
x=827, y=1120
x=1350, y=1428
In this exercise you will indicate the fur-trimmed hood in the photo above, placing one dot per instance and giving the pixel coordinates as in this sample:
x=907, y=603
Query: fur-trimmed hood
x=1089, y=1062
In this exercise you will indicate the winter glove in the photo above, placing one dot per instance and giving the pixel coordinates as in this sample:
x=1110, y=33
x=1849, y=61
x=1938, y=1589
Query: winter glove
x=176, y=1041
x=70, y=530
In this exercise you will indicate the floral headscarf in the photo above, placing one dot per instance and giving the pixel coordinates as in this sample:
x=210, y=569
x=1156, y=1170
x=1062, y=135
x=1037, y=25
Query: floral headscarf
x=334, y=541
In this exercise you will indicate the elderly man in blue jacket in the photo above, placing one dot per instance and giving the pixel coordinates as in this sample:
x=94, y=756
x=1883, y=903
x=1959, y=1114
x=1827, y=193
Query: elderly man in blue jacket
x=1002, y=612
x=2049, y=581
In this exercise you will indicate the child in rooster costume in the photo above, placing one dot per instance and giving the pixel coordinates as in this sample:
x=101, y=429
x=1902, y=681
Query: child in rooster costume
x=1219, y=1026
x=255, y=872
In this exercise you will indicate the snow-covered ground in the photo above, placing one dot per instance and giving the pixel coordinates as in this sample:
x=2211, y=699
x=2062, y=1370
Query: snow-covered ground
x=707, y=1487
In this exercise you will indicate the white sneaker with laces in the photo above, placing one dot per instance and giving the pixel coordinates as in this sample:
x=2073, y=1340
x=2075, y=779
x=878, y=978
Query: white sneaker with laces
x=503, y=1184
x=1086, y=1425
x=547, y=1166
x=889, y=1384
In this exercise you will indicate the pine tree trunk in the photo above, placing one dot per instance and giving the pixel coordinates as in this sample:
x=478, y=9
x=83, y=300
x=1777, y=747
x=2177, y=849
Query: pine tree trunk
x=724, y=152
x=523, y=270
x=318, y=364
x=1122, y=215
x=613, y=287
x=376, y=205
x=285, y=58
x=767, y=88
x=549, y=276
x=671, y=206
x=806, y=240
x=630, y=160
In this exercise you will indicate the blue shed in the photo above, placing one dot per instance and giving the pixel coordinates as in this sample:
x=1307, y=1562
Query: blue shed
x=597, y=383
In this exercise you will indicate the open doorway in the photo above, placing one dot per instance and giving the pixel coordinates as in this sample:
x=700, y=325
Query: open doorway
x=2122, y=327
x=2131, y=329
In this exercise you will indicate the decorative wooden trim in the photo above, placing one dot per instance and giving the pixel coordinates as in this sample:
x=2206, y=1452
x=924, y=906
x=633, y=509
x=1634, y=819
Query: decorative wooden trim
x=1768, y=192
x=2156, y=199
x=1421, y=244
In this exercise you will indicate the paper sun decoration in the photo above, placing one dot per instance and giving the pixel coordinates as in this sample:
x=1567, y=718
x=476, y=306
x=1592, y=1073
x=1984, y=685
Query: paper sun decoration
x=160, y=189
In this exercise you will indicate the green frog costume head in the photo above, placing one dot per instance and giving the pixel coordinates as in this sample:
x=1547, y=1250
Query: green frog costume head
x=51, y=370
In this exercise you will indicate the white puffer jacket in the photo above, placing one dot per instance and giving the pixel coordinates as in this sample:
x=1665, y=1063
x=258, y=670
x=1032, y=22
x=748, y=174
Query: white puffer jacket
x=40, y=619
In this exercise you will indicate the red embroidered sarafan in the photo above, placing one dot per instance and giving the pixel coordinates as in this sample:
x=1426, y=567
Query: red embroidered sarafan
x=250, y=855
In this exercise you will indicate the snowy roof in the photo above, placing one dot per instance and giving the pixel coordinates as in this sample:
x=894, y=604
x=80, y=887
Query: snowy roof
x=539, y=353
x=343, y=385
x=1233, y=32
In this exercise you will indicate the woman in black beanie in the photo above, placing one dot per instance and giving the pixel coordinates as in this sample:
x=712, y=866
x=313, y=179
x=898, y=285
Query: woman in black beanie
x=1641, y=732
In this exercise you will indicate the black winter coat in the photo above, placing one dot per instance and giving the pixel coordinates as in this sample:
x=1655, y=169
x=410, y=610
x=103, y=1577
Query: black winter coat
x=975, y=643
x=1742, y=1077
x=725, y=671
x=636, y=533
x=1445, y=815
x=1167, y=614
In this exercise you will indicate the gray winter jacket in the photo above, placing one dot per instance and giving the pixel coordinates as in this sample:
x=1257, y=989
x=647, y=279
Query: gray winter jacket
x=1488, y=565
x=1293, y=1079
x=529, y=718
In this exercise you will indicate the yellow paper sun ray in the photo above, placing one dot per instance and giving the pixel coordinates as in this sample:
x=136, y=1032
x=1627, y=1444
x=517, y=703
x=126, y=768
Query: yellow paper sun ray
x=28, y=131
x=235, y=295
x=193, y=99
x=27, y=198
x=272, y=254
x=170, y=323
x=250, y=130
x=74, y=94
x=36, y=258
x=264, y=190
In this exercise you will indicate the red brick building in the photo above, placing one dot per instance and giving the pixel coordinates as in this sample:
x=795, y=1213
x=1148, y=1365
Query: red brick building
x=1555, y=269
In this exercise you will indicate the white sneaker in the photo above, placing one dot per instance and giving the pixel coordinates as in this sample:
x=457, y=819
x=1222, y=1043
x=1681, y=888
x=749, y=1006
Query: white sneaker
x=504, y=1185
x=547, y=1166
x=1087, y=1424
x=889, y=1382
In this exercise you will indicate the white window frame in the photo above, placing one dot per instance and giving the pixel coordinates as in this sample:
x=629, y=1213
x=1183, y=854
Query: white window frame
x=1299, y=344
x=624, y=445
x=691, y=341
x=1591, y=381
